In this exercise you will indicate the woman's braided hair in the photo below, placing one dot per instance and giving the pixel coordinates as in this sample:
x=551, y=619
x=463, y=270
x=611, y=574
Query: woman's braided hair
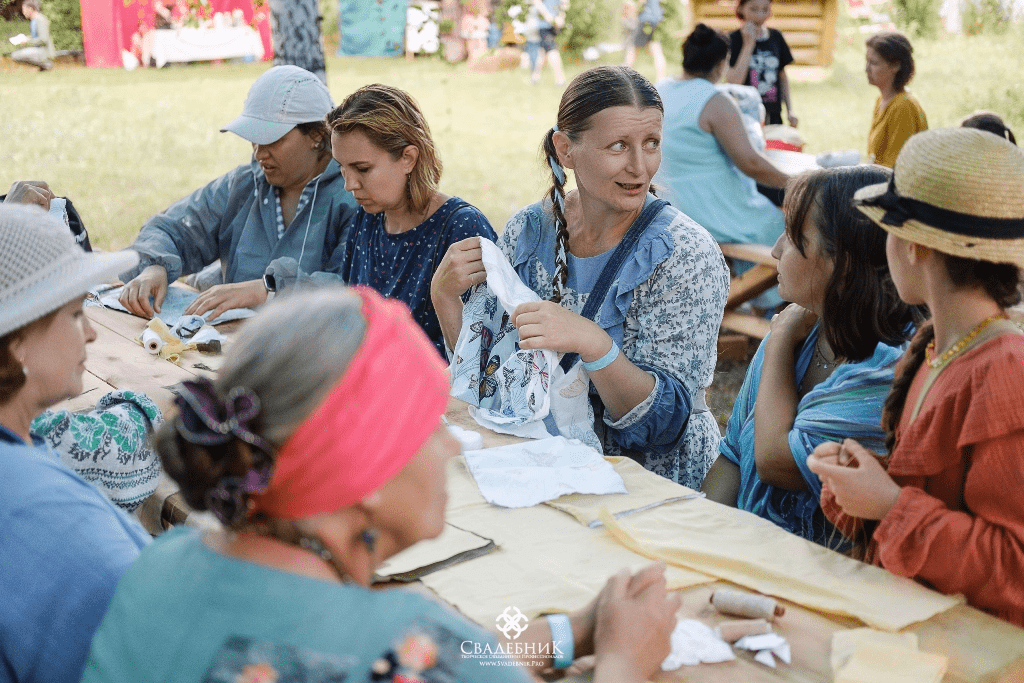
x=592, y=91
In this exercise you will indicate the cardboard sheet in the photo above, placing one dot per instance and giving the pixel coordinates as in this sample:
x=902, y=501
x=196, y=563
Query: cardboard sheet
x=453, y=546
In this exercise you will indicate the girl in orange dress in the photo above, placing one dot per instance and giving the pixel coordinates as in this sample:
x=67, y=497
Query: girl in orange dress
x=946, y=507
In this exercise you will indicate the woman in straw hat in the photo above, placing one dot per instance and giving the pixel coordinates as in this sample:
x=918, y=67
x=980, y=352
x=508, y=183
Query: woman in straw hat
x=64, y=545
x=946, y=507
x=288, y=447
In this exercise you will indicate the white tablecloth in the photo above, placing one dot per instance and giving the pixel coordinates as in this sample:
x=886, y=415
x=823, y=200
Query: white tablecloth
x=205, y=44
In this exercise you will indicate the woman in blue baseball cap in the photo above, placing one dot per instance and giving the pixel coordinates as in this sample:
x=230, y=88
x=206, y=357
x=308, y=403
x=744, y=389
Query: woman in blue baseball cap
x=289, y=200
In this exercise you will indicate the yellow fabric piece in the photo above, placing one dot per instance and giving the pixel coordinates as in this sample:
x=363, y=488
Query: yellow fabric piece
x=845, y=643
x=743, y=548
x=874, y=662
x=643, y=487
x=545, y=562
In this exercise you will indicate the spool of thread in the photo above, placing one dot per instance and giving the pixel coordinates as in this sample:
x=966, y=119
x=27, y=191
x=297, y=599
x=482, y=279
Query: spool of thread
x=151, y=341
x=739, y=604
x=731, y=631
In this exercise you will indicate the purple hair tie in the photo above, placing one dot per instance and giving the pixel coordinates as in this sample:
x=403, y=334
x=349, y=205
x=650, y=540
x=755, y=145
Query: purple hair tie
x=204, y=419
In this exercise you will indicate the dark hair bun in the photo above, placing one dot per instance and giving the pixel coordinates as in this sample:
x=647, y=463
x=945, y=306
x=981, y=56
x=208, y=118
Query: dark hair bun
x=703, y=50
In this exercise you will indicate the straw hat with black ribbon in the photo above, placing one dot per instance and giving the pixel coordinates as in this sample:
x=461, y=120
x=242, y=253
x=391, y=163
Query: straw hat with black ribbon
x=957, y=190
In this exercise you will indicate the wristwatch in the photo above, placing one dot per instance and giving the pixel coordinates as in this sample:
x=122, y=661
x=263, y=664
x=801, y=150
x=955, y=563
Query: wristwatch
x=270, y=284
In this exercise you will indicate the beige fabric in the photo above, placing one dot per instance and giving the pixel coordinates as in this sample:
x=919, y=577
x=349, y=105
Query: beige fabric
x=545, y=562
x=845, y=643
x=740, y=547
x=874, y=662
x=643, y=487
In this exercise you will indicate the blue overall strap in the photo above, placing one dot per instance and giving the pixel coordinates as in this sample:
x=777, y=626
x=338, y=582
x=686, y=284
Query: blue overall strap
x=612, y=268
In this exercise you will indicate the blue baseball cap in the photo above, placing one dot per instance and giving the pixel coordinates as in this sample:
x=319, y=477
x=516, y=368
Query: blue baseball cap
x=279, y=99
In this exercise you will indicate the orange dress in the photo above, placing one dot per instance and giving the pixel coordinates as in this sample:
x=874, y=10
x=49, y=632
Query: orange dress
x=958, y=525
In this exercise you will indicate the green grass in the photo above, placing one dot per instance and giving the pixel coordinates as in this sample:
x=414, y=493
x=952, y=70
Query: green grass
x=124, y=145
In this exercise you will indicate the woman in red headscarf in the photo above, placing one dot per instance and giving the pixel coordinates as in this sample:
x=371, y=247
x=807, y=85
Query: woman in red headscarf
x=278, y=447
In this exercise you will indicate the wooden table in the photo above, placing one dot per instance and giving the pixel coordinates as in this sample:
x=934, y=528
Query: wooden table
x=981, y=649
x=117, y=361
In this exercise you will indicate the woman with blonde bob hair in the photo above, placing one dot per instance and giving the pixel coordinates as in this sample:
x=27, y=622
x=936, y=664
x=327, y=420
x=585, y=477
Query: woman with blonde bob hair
x=320, y=473
x=405, y=223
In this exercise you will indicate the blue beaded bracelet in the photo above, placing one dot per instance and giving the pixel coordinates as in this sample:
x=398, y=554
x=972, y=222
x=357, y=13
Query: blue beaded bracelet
x=604, y=361
x=562, y=647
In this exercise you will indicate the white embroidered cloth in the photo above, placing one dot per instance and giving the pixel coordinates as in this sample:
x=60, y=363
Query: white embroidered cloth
x=529, y=473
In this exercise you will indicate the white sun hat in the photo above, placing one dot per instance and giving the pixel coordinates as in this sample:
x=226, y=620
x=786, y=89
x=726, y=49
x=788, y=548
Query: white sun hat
x=41, y=267
x=281, y=98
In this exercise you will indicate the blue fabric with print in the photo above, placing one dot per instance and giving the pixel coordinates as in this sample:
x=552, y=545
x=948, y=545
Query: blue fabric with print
x=846, y=404
x=401, y=266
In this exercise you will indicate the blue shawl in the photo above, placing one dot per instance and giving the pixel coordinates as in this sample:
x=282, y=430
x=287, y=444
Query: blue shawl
x=847, y=404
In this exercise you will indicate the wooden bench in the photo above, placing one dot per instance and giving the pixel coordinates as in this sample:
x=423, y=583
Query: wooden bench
x=744, y=287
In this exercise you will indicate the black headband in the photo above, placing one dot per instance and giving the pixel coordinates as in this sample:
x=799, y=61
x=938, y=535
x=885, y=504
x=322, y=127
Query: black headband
x=899, y=209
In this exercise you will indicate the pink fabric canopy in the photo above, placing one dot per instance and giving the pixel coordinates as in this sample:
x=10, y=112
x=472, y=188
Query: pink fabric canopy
x=108, y=25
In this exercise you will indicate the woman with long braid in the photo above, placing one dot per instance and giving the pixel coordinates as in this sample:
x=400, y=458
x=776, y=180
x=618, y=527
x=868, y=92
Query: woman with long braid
x=945, y=507
x=662, y=308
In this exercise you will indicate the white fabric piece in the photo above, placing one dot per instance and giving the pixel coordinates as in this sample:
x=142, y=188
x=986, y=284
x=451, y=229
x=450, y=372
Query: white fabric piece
x=768, y=646
x=512, y=390
x=530, y=473
x=467, y=438
x=693, y=642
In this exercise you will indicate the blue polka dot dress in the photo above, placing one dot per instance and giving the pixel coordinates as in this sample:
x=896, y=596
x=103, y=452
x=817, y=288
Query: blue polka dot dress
x=401, y=266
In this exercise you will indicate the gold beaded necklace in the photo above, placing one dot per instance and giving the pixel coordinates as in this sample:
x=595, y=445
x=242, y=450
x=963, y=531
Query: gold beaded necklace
x=959, y=346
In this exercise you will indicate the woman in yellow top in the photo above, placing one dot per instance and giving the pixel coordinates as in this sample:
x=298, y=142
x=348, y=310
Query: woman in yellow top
x=898, y=115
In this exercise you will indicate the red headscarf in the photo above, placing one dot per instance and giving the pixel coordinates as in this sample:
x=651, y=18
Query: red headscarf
x=371, y=423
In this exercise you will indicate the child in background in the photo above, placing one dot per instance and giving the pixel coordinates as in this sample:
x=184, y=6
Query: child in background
x=758, y=57
x=645, y=20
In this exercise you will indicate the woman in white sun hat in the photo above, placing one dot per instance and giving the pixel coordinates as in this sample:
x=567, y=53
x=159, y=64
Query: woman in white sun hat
x=946, y=507
x=64, y=546
x=289, y=200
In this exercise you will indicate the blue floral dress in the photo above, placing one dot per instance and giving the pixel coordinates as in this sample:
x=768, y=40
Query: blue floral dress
x=664, y=311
